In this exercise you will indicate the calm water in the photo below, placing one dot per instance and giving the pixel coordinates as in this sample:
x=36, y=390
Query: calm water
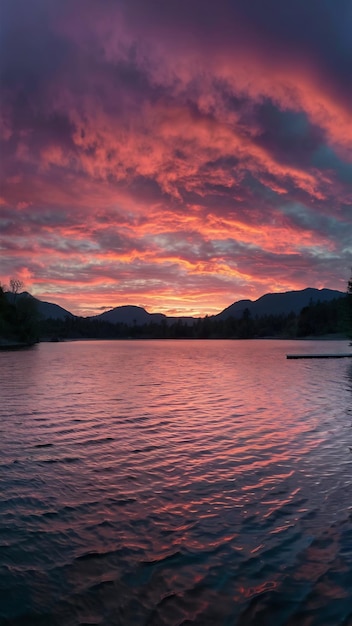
x=204, y=482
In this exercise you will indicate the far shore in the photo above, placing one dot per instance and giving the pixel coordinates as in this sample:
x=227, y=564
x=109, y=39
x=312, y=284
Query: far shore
x=15, y=345
x=326, y=337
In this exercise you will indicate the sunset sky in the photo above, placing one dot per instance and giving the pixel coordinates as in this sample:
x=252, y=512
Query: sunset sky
x=175, y=154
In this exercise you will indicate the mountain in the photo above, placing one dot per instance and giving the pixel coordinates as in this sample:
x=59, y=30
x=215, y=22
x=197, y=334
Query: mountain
x=137, y=316
x=130, y=315
x=269, y=304
x=45, y=310
x=279, y=303
x=48, y=310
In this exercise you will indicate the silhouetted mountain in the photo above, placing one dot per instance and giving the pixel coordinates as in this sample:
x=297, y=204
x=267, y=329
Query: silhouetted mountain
x=137, y=316
x=269, y=304
x=279, y=303
x=130, y=315
x=45, y=310
x=48, y=310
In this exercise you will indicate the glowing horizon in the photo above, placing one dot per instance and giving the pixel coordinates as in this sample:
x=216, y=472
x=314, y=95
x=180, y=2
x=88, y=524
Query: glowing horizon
x=175, y=157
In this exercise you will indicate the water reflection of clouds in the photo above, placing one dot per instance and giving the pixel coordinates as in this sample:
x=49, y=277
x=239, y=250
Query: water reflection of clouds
x=197, y=479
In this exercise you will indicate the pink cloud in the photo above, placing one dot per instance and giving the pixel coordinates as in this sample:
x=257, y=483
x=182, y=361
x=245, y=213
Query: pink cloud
x=141, y=167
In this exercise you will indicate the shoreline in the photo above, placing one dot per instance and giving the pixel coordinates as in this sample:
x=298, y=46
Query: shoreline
x=327, y=337
x=16, y=345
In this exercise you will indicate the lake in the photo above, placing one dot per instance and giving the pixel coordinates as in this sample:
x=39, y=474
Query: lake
x=175, y=482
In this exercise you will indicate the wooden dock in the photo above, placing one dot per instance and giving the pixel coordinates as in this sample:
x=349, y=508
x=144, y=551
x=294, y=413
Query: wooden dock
x=338, y=355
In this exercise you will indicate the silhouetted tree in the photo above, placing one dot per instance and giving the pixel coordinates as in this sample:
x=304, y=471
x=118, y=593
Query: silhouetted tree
x=15, y=286
x=246, y=328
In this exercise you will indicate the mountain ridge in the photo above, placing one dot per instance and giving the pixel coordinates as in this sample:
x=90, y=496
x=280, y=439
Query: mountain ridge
x=281, y=303
x=45, y=310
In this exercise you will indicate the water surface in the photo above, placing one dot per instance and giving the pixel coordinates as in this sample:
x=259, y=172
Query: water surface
x=175, y=482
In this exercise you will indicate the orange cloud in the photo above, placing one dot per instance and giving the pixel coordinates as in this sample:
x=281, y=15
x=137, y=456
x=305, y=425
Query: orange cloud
x=178, y=172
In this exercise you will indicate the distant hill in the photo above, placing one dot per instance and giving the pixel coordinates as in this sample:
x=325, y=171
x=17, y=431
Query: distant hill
x=279, y=303
x=269, y=304
x=130, y=315
x=45, y=310
x=137, y=316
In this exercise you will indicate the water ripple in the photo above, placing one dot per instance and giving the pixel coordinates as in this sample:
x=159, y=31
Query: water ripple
x=175, y=483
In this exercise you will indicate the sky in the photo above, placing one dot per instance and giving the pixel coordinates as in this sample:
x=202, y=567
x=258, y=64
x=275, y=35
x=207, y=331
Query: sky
x=177, y=155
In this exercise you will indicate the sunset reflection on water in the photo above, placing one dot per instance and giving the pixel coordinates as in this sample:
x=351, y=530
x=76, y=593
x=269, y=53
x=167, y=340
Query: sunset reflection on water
x=201, y=482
